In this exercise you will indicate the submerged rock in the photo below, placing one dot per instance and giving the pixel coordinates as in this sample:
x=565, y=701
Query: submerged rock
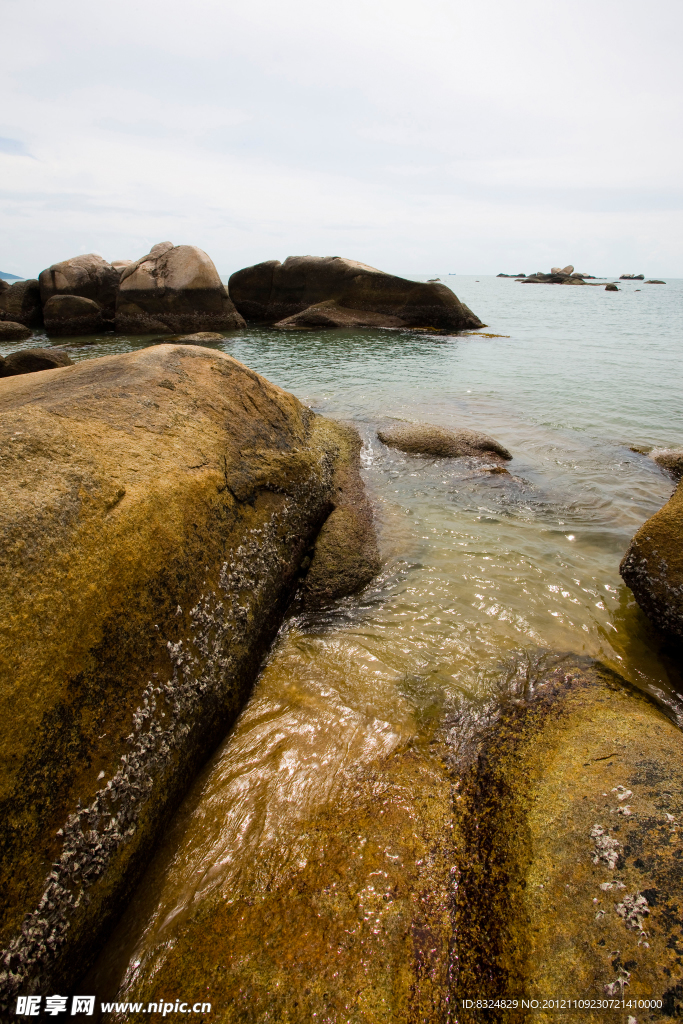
x=337, y=292
x=200, y=338
x=655, y=281
x=73, y=315
x=177, y=286
x=653, y=566
x=428, y=439
x=10, y=331
x=21, y=303
x=158, y=508
x=670, y=459
x=88, y=277
x=32, y=360
x=571, y=810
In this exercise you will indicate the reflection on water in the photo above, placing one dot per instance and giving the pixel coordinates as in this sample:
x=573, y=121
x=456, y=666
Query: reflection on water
x=478, y=568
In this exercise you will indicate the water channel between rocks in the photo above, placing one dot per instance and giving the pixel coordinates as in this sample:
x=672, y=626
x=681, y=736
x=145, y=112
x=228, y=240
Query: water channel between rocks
x=479, y=571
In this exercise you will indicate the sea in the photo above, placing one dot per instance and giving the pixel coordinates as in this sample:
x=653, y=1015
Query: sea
x=481, y=573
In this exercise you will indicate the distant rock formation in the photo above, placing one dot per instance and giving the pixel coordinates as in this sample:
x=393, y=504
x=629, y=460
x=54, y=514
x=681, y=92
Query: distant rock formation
x=177, y=287
x=316, y=291
x=557, y=275
x=655, y=281
x=631, y=277
x=611, y=288
x=510, y=275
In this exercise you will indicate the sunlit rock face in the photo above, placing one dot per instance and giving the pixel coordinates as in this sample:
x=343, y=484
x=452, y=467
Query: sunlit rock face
x=176, y=287
x=653, y=565
x=329, y=291
x=88, y=277
x=160, y=508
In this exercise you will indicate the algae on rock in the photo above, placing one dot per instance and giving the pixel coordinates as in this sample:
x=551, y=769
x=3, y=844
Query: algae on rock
x=157, y=508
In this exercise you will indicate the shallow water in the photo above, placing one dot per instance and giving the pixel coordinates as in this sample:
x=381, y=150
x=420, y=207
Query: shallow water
x=478, y=568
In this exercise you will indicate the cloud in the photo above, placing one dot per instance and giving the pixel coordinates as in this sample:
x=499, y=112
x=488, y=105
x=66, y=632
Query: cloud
x=15, y=147
x=445, y=135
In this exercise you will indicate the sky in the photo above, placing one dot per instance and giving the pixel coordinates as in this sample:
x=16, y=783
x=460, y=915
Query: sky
x=445, y=136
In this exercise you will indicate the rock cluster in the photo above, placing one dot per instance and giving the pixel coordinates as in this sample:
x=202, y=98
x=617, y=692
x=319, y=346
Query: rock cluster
x=557, y=275
x=308, y=292
x=161, y=508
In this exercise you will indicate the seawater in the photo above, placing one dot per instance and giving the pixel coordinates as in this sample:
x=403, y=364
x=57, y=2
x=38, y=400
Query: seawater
x=480, y=571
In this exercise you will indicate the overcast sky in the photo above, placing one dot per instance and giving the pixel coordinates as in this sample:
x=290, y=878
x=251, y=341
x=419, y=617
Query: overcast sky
x=467, y=136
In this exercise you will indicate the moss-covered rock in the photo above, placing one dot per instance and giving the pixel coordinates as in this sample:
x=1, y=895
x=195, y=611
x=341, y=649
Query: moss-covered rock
x=653, y=566
x=571, y=845
x=156, y=509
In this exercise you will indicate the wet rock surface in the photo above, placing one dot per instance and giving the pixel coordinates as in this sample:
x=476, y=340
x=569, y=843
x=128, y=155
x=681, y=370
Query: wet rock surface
x=158, y=507
x=316, y=291
x=653, y=565
x=439, y=442
x=177, y=287
x=670, y=459
x=571, y=818
x=526, y=848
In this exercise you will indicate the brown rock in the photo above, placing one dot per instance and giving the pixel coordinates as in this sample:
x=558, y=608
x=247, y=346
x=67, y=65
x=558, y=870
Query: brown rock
x=670, y=459
x=569, y=875
x=89, y=277
x=21, y=304
x=611, y=288
x=73, y=315
x=274, y=292
x=200, y=338
x=655, y=282
x=331, y=314
x=653, y=566
x=13, y=332
x=158, y=506
x=177, y=286
x=428, y=439
x=32, y=360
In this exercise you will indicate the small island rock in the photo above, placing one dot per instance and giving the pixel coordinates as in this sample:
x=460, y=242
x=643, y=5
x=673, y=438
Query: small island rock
x=428, y=439
x=177, y=286
x=317, y=291
x=611, y=288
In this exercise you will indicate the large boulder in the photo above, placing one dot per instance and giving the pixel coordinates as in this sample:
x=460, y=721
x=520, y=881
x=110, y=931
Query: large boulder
x=439, y=442
x=13, y=332
x=176, y=286
x=90, y=277
x=653, y=566
x=343, y=292
x=20, y=303
x=570, y=886
x=32, y=360
x=73, y=315
x=158, y=511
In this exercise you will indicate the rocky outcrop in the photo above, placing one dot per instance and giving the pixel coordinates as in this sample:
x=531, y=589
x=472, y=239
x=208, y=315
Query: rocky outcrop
x=670, y=459
x=316, y=291
x=89, y=277
x=557, y=275
x=159, y=506
x=32, y=360
x=569, y=872
x=428, y=439
x=177, y=287
x=655, y=281
x=510, y=275
x=611, y=288
x=20, y=303
x=653, y=566
x=632, y=277
x=13, y=332
x=74, y=315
